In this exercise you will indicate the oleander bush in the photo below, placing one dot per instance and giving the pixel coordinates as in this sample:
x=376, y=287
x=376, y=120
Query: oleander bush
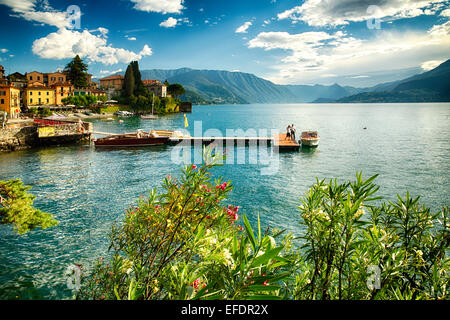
x=186, y=243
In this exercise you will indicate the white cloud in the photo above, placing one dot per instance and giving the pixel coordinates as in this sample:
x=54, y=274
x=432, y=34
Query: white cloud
x=445, y=13
x=310, y=55
x=4, y=50
x=162, y=6
x=37, y=11
x=169, y=23
x=429, y=65
x=104, y=72
x=340, y=12
x=244, y=27
x=65, y=44
x=131, y=38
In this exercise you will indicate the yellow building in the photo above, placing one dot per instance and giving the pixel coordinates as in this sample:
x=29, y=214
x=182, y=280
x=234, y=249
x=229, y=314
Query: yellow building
x=39, y=97
x=10, y=100
x=62, y=91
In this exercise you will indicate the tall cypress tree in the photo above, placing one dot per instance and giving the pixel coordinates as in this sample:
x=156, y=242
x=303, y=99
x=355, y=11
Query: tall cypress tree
x=77, y=72
x=129, y=82
x=139, y=89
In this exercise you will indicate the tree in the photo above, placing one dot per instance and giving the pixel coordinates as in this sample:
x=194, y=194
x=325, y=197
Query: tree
x=16, y=208
x=76, y=72
x=139, y=89
x=129, y=82
x=176, y=90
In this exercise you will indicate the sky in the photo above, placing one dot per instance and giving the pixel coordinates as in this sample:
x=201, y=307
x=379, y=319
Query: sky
x=349, y=42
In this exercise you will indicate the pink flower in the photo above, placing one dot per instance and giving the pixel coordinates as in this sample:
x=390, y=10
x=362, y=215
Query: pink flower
x=236, y=209
x=196, y=283
x=236, y=216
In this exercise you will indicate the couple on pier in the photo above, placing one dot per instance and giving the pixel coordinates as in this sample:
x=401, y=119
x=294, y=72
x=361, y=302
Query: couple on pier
x=290, y=132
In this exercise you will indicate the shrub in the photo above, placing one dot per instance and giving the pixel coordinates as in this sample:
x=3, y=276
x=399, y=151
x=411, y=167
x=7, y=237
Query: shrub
x=185, y=243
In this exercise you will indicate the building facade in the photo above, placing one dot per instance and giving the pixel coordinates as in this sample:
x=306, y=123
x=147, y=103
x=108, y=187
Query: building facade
x=114, y=82
x=156, y=87
x=39, y=97
x=10, y=100
x=62, y=90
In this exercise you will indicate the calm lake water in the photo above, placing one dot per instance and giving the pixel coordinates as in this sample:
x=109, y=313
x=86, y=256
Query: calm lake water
x=87, y=189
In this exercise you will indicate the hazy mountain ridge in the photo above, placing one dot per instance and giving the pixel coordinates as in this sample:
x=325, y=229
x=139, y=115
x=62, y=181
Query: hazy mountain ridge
x=218, y=86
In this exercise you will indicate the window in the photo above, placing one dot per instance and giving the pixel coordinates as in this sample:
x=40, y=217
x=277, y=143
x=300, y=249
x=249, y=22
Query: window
x=39, y=93
x=31, y=77
x=61, y=78
x=48, y=101
x=62, y=94
x=2, y=101
x=39, y=78
x=31, y=100
x=2, y=93
x=31, y=93
x=53, y=78
x=48, y=93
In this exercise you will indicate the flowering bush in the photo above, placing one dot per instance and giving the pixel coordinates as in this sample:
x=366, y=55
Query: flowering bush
x=185, y=243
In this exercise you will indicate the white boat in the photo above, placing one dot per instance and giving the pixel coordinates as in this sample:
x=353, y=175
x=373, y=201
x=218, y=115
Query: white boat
x=310, y=138
x=149, y=117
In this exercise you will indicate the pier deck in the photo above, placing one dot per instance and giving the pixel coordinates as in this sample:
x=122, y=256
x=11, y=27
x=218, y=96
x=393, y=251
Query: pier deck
x=224, y=140
x=283, y=143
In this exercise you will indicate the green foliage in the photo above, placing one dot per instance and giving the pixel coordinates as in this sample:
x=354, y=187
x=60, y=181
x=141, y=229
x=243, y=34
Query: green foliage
x=80, y=100
x=176, y=90
x=129, y=82
x=345, y=235
x=16, y=208
x=77, y=72
x=185, y=243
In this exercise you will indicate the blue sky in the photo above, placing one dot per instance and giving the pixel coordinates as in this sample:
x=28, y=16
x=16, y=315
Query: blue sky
x=348, y=42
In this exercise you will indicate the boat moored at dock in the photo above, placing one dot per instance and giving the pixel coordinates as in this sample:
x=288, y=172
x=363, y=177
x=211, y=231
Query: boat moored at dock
x=310, y=138
x=137, y=139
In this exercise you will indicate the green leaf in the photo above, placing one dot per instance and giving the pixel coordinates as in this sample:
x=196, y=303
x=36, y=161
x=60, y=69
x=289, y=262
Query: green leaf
x=249, y=231
x=264, y=259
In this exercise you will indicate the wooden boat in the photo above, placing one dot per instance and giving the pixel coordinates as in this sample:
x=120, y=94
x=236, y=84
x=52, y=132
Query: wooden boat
x=149, y=117
x=310, y=138
x=137, y=139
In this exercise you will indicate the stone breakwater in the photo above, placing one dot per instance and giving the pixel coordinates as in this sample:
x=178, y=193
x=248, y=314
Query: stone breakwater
x=25, y=137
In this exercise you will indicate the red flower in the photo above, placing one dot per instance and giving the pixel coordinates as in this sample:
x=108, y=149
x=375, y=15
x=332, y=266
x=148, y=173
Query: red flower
x=196, y=283
x=265, y=283
x=194, y=167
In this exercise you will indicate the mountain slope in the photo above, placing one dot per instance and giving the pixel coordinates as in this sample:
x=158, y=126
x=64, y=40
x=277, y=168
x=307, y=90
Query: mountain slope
x=237, y=87
x=430, y=86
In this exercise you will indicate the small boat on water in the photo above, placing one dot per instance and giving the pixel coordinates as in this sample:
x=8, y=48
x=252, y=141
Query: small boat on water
x=137, y=139
x=149, y=117
x=310, y=138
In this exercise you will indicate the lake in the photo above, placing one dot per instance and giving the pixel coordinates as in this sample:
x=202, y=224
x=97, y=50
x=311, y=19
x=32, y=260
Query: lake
x=87, y=189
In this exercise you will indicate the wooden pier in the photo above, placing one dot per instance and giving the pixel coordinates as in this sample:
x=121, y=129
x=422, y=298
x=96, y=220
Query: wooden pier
x=285, y=144
x=225, y=141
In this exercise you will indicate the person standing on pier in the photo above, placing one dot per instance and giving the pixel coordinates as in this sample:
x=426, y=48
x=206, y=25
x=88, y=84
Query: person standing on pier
x=288, y=132
x=293, y=132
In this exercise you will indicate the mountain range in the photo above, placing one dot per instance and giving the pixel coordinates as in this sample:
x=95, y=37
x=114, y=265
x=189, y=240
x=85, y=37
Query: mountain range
x=220, y=87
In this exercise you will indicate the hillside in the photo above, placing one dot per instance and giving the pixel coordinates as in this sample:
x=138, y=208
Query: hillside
x=430, y=86
x=217, y=86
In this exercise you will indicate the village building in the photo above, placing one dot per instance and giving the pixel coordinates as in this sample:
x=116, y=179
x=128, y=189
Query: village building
x=39, y=96
x=112, y=82
x=10, y=100
x=62, y=90
x=156, y=87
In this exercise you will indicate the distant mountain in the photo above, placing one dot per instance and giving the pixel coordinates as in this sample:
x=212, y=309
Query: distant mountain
x=217, y=86
x=430, y=86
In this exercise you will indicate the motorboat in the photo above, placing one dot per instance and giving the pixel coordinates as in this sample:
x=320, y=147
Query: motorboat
x=310, y=138
x=136, y=139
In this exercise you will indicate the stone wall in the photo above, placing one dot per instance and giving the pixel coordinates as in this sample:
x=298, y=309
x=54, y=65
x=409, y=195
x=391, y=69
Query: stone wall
x=12, y=139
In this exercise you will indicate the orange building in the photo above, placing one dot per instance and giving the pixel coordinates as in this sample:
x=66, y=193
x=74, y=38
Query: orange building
x=10, y=100
x=55, y=77
x=62, y=91
x=33, y=77
x=115, y=82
